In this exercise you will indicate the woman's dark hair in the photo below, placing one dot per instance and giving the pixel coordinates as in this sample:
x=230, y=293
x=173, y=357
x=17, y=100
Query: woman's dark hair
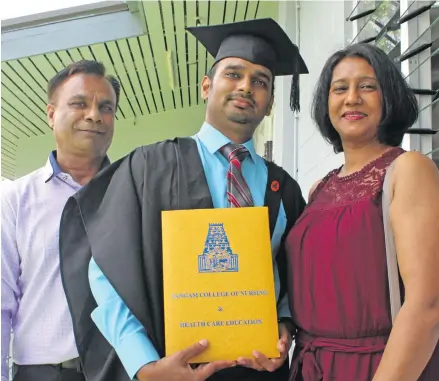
x=400, y=107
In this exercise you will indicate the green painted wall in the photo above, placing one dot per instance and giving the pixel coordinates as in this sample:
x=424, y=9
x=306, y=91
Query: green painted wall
x=32, y=153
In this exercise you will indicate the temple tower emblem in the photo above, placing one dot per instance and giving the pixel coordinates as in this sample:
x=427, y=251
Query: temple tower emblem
x=217, y=254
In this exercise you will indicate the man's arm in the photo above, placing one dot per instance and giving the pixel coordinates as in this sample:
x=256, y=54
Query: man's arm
x=131, y=343
x=283, y=310
x=10, y=276
x=118, y=325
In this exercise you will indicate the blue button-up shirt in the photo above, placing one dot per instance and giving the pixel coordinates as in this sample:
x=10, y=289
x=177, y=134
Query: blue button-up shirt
x=113, y=318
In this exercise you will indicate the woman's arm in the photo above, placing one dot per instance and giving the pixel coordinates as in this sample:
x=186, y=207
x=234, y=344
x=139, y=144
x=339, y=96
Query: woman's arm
x=414, y=215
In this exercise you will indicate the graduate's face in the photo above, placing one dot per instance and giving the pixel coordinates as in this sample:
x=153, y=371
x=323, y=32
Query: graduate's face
x=239, y=95
x=355, y=101
x=81, y=115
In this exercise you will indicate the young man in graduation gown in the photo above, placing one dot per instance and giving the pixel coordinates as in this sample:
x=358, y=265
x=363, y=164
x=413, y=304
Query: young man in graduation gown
x=110, y=243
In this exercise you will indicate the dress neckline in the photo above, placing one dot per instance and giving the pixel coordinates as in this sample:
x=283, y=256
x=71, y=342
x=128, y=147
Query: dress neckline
x=366, y=168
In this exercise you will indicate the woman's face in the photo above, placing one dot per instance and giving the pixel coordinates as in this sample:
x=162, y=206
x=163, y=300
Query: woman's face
x=355, y=102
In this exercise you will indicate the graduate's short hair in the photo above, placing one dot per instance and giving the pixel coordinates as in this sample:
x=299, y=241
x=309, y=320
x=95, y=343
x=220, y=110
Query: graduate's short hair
x=399, y=105
x=81, y=67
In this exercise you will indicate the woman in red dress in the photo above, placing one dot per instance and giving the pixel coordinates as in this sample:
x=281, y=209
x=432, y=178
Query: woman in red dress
x=339, y=296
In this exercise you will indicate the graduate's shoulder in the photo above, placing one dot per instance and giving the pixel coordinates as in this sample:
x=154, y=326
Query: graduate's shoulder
x=160, y=146
x=158, y=154
x=288, y=182
x=164, y=149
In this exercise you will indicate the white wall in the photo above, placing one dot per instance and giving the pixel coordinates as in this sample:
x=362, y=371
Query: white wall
x=322, y=32
x=263, y=133
x=284, y=121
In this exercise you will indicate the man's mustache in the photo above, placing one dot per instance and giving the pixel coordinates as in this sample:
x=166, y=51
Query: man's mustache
x=238, y=97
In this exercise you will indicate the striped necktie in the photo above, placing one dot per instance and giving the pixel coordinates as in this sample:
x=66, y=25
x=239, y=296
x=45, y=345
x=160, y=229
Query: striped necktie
x=238, y=192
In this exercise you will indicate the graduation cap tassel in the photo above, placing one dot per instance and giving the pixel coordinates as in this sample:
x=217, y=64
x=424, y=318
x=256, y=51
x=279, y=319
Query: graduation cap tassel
x=295, y=94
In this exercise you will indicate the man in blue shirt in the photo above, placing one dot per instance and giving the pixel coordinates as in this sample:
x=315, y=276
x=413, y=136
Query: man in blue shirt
x=120, y=213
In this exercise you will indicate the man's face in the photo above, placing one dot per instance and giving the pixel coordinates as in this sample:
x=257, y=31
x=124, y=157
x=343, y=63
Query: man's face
x=82, y=115
x=239, y=95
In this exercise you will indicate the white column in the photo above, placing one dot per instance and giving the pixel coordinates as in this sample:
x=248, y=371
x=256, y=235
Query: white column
x=285, y=123
x=318, y=28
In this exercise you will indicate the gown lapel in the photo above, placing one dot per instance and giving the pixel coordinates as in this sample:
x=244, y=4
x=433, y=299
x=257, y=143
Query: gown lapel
x=193, y=190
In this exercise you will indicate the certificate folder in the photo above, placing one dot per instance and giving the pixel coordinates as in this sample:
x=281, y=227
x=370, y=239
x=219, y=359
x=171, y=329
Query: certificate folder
x=218, y=282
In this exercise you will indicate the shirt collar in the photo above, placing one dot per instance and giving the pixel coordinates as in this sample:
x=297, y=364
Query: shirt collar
x=214, y=140
x=52, y=169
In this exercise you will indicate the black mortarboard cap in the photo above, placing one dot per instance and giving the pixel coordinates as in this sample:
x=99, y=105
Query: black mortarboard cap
x=262, y=42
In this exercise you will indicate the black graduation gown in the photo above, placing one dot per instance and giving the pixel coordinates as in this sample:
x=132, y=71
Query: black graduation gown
x=117, y=219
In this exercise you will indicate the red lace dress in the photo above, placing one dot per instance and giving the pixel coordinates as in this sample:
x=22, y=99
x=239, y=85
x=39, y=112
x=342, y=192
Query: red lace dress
x=338, y=292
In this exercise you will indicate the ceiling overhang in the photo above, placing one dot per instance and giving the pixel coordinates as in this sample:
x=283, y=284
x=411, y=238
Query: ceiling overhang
x=143, y=43
x=69, y=28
